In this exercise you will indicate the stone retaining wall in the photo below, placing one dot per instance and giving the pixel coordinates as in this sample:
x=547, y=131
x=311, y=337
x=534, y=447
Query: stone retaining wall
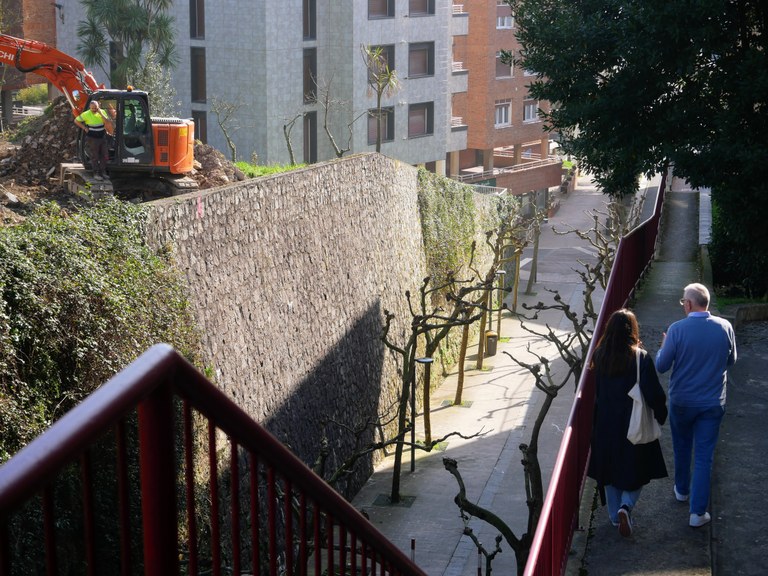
x=289, y=278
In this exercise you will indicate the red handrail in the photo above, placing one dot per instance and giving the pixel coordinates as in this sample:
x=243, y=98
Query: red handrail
x=560, y=513
x=325, y=524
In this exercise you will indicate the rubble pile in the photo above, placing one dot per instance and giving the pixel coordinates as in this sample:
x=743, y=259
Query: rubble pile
x=212, y=168
x=53, y=140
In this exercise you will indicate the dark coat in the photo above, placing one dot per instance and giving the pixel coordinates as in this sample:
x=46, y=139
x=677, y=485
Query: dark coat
x=614, y=460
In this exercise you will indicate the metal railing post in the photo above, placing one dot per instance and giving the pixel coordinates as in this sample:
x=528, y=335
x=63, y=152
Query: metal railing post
x=158, y=490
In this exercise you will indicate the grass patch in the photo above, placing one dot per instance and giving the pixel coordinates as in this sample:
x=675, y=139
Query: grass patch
x=256, y=171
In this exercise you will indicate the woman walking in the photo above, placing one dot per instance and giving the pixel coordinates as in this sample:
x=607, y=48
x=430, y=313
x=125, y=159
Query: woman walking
x=618, y=466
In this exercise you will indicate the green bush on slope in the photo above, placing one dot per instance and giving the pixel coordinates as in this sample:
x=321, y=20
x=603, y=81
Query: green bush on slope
x=82, y=296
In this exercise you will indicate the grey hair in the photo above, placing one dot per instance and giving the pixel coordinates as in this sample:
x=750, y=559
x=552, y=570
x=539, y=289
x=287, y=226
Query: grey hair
x=698, y=294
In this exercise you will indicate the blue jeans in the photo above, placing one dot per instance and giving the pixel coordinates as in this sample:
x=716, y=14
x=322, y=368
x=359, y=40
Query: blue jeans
x=615, y=497
x=695, y=432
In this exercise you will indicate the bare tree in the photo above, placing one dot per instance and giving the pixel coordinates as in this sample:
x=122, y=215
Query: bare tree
x=434, y=324
x=571, y=348
x=287, y=128
x=226, y=115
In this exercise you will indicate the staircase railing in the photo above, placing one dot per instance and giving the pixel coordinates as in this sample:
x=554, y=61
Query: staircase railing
x=99, y=493
x=551, y=544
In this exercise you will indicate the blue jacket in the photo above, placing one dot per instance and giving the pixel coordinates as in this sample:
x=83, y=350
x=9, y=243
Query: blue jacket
x=699, y=349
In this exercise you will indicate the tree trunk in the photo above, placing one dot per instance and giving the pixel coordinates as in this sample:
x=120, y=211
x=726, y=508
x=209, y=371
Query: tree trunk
x=462, y=359
x=481, y=344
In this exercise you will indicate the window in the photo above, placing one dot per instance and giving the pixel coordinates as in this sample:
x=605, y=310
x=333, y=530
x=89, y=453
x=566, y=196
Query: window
x=505, y=22
x=421, y=59
x=530, y=111
x=310, y=137
x=381, y=9
x=387, y=125
x=310, y=75
x=309, y=17
x=503, y=108
x=421, y=7
x=420, y=119
x=201, y=125
x=503, y=70
x=197, y=18
x=197, y=63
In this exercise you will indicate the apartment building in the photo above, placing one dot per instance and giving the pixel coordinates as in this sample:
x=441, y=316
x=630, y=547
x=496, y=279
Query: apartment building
x=506, y=144
x=294, y=74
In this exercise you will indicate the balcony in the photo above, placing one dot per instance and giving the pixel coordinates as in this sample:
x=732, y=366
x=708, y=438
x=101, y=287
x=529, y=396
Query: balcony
x=459, y=77
x=460, y=21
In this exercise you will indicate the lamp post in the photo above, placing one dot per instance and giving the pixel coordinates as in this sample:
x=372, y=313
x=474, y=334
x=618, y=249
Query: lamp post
x=500, y=274
x=427, y=362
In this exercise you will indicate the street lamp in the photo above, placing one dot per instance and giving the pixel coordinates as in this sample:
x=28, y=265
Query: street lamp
x=427, y=362
x=500, y=274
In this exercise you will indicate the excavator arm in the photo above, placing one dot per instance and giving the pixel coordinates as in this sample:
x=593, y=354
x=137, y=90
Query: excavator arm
x=66, y=73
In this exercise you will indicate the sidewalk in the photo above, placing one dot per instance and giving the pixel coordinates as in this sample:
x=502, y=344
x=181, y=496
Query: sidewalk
x=499, y=401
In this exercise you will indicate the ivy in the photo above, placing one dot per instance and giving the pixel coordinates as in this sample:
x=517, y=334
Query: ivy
x=448, y=223
x=82, y=296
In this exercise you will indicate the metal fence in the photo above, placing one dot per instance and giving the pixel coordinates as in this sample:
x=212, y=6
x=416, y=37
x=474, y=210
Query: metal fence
x=99, y=493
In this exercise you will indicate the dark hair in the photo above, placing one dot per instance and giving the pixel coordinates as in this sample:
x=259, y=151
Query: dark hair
x=616, y=346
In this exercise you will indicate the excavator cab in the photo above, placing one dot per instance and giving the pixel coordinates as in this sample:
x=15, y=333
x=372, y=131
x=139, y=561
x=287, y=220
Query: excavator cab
x=131, y=145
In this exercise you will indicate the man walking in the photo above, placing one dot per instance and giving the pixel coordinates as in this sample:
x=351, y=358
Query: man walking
x=699, y=349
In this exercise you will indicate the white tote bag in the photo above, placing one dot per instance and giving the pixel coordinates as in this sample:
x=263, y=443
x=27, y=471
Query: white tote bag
x=643, y=427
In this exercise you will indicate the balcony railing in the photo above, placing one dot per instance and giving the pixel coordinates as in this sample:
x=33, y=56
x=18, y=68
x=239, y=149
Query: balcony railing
x=159, y=472
x=485, y=174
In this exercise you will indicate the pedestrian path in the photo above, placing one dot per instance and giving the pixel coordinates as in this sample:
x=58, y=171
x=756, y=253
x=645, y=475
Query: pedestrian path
x=662, y=542
x=499, y=404
x=501, y=401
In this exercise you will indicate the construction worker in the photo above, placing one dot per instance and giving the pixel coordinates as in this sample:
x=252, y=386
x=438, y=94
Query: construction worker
x=95, y=122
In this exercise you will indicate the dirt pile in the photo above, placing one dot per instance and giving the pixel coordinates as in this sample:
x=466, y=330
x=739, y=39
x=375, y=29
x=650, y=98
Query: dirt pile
x=213, y=169
x=52, y=140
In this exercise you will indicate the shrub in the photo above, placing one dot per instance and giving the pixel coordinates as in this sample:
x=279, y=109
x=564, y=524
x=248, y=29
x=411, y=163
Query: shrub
x=82, y=296
x=34, y=95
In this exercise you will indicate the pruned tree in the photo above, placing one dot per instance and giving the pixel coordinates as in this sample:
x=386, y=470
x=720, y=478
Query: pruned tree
x=571, y=348
x=436, y=322
x=226, y=117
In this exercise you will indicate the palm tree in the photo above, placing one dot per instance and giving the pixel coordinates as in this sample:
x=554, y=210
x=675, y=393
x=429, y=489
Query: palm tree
x=116, y=36
x=382, y=80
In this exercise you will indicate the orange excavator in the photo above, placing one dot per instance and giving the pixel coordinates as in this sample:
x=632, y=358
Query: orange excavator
x=143, y=151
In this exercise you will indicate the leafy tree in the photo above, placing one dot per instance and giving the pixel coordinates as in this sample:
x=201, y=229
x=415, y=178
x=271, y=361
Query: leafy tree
x=82, y=296
x=126, y=34
x=382, y=81
x=639, y=83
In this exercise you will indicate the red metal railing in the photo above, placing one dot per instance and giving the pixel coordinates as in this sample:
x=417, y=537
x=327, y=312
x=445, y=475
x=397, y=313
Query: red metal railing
x=560, y=514
x=73, y=501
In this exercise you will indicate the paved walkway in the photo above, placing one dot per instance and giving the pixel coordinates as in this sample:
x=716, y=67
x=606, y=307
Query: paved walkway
x=500, y=402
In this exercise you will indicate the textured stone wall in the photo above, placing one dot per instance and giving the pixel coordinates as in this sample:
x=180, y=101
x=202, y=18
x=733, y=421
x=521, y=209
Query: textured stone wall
x=289, y=277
